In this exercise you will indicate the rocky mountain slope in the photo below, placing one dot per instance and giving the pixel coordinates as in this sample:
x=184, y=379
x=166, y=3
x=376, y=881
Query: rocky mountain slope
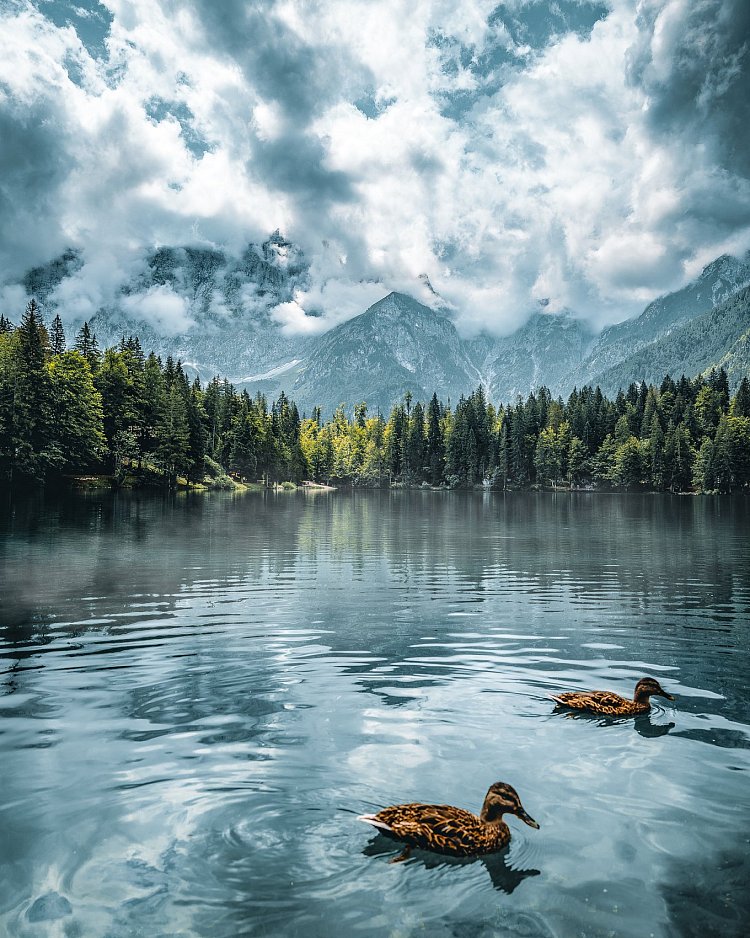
x=397, y=345
x=546, y=350
x=719, y=337
x=718, y=281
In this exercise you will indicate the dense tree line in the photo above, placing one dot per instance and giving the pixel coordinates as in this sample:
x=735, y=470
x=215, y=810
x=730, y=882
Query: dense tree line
x=68, y=410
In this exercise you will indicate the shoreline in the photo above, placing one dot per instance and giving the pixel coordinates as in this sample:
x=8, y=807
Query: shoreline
x=92, y=482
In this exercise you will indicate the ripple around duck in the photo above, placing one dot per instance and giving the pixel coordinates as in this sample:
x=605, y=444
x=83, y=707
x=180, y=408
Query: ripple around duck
x=185, y=749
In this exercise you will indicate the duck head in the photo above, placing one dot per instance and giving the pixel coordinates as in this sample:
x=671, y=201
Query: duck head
x=503, y=799
x=648, y=687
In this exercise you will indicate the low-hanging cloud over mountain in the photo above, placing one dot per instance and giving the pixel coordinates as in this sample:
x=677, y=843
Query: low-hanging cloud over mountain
x=587, y=154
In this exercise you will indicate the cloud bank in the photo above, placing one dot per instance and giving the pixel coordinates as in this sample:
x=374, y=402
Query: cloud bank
x=587, y=154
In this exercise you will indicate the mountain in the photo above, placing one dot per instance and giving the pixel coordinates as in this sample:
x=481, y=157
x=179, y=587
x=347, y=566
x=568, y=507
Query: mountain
x=718, y=281
x=546, y=350
x=718, y=337
x=215, y=311
x=397, y=345
x=41, y=282
x=206, y=307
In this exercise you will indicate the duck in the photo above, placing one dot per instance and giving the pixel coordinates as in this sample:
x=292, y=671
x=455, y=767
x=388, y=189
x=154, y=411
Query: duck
x=607, y=703
x=451, y=831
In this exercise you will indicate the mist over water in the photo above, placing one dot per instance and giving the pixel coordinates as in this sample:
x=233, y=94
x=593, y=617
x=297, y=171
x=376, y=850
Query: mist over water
x=199, y=694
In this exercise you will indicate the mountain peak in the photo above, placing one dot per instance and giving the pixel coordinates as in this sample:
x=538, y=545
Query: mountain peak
x=395, y=301
x=724, y=265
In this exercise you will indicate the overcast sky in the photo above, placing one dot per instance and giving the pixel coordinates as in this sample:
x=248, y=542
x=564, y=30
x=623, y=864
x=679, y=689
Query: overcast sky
x=589, y=155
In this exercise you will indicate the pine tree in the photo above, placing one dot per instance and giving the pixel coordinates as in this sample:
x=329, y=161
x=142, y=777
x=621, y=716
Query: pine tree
x=576, y=461
x=435, y=455
x=87, y=345
x=394, y=436
x=414, y=446
x=628, y=469
x=6, y=326
x=678, y=459
x=246, y=444
x=656, y=454
x=113, y=383
x=77, y=410
x=502, y=458
x=173, y=436
x=57, y=336
x=703, y=474
x=33, y=450
x=741, y=400
x=198, y=432
x=154, y=400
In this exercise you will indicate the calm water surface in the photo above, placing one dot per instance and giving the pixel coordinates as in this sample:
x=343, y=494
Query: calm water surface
x=199, y=695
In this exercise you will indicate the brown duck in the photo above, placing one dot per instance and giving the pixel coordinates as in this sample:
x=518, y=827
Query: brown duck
x=607, y=703
x=453, y=831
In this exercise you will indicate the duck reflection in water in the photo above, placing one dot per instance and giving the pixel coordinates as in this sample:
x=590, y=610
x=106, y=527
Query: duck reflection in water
x=503, y=877
x=645, y=725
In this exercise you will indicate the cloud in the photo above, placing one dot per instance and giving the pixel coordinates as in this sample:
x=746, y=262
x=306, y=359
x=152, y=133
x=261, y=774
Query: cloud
x=161, y=306
x=327, y=304
x=586, y=154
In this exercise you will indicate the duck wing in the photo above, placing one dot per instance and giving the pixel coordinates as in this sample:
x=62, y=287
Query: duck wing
x=598, y=701
x=438, y=827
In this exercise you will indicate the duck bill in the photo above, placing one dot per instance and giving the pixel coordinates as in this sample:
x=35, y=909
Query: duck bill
x=668, y=696
x=527, y=819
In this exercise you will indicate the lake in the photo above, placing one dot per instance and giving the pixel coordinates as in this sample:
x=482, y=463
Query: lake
x=199, y=694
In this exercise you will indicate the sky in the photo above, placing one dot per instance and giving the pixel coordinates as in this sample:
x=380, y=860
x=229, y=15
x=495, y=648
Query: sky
x=585, y=155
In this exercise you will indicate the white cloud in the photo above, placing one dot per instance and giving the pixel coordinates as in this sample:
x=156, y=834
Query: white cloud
x=161, y=306
x=13, y=301
x=576, y=172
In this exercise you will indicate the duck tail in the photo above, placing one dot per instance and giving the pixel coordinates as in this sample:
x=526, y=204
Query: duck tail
x=374, y=820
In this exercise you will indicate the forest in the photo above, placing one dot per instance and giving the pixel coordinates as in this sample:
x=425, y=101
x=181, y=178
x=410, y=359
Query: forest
x=125, y=415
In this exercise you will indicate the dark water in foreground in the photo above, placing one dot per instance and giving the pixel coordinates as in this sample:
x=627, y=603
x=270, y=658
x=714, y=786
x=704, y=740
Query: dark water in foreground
x=198, y=696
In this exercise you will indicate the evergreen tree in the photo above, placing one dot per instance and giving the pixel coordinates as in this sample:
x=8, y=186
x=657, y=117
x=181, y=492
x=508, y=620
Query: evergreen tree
x=678, y=458
x=87, y=345
x=33, y=452
x=394, y=437
x=57, y=336
x=77, y=411
x=703, y=469
x=197, y=431
x=628, y=469
x=414, y=444
x=246, y=444
x=657, y=455
x=173, y=436
x=120, y=422
x=707, y=409
x=576, y=461
x=435, y=443
x=154, y=402
x=741, y=400
x=502, y=458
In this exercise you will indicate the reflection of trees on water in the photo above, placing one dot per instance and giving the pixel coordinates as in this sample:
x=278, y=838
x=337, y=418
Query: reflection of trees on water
x=653, y=550
x=381, y=571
